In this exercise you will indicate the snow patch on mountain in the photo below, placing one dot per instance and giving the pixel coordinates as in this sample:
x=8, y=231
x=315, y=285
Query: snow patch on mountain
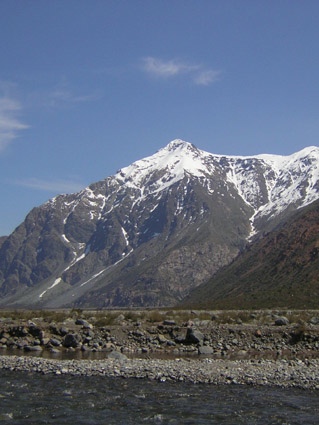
x=296, y=180
x=170, y=164
x=267, y=183
x=55, y=283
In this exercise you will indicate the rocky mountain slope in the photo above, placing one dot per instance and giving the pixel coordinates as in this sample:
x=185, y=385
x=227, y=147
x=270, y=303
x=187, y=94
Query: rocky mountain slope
x=154, y=231
x=2, y=239
x=280, y=270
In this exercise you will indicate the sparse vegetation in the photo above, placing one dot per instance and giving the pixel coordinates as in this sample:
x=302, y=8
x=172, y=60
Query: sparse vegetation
x=76, y=312
x=104, y=318
x=133, y=315
x=181, y=317
x=154, y=316
x=46, y=315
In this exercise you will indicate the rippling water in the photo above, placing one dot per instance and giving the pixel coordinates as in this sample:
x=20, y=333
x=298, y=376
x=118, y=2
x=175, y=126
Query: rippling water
x=45, y=399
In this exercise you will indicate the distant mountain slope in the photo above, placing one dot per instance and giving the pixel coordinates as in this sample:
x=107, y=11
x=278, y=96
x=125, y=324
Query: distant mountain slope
x=2, y=239
x=280, y=270
x=154, y=231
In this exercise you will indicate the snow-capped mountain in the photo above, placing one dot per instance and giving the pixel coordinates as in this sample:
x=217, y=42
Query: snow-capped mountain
x=281, y=180
x=153, y=231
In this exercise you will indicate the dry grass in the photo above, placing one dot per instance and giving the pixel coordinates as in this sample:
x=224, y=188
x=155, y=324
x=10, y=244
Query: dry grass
x=109, y=317
x=102, y=319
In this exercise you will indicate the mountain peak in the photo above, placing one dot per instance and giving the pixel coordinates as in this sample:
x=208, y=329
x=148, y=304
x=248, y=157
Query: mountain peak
x=173, y=160
x=179, y=144
x=153, y=231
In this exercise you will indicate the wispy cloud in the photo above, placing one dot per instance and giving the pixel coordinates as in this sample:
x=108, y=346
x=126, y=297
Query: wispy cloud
x=204, y=78
x=174, y=67
x=53, y=186
x=170, y=68
x=60, y=95
x=10, y=124
x=63, y=95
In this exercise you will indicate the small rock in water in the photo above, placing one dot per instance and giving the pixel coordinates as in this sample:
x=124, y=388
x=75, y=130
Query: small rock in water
x=116, y=355
x=32, y=348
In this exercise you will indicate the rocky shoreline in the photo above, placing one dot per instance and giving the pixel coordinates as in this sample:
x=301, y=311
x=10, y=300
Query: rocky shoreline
x=267, y=348
x=282, y=373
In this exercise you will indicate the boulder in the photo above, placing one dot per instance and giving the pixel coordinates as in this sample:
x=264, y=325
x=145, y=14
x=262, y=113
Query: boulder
x=161, y=339
x=314, y=320
x=72, y=340
x=35, y=331
x=119, y=319
x=194, y=336
x=63, y=331
x=32, y=348
x=84, y=323
x=281, y=321
x=169, y=322
x=205, y=349
x=55, y=342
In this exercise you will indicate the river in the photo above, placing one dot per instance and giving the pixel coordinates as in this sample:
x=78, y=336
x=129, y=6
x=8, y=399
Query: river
x=28, y=398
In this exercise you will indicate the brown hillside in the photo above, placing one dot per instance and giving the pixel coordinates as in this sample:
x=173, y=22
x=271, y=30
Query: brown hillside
x=280, y=270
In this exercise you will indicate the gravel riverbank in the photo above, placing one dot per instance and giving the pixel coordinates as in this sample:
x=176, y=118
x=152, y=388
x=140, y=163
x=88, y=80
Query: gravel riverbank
x=254, y=348
x=282, y=373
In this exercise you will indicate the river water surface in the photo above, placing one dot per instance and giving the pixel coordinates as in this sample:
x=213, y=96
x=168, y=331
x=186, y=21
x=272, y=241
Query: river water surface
x=27, y=398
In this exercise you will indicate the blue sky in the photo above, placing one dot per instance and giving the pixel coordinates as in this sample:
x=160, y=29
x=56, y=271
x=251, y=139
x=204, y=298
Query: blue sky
x=89, y=86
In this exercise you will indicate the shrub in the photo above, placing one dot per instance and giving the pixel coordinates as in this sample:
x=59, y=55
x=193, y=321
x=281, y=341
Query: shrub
x=154, y=316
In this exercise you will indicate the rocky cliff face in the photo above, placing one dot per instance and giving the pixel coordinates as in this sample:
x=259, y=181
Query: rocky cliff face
x=152, y=232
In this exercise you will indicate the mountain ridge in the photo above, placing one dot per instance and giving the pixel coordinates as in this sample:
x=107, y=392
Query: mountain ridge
x=153, y=231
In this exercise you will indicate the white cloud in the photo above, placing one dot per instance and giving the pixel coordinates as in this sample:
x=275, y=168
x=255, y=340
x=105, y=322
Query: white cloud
x=205, y=78
x=161, y=68
x=54, y=186
x=174, y=67
x=10, y=125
